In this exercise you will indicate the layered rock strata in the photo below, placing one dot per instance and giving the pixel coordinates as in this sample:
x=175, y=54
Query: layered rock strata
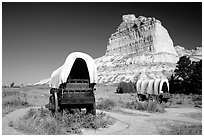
x=138, y=35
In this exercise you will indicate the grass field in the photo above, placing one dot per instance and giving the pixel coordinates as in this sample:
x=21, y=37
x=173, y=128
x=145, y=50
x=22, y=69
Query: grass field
x=14, y=98
x=106, y=99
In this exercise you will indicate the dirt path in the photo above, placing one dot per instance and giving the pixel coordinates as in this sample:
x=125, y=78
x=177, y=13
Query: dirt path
x=131, y=122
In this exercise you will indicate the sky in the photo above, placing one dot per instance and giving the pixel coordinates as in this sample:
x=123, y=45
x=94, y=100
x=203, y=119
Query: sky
x=37, y=37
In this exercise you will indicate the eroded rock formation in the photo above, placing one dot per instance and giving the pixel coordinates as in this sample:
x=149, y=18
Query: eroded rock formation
x=139, y=35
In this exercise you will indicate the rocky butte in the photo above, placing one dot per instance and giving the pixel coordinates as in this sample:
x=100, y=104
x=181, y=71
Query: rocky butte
x=141, y=48
x=139, y=35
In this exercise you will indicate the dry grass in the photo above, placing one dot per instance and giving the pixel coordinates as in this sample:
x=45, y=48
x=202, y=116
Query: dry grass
x=42, y=121
x=186, y=100
x=106, y=104
x=13, y=99
x=16, y=98
x=151, y=106
x=183, y=129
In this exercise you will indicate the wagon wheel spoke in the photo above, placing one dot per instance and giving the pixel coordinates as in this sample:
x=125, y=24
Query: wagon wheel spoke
x=169, y=102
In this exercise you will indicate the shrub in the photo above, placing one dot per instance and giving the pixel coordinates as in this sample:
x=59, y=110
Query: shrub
x=42, y=121
x=151, y=106
x=125, y=87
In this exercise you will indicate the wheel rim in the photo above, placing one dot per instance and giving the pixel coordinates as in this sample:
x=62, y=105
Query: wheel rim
x=56, y=102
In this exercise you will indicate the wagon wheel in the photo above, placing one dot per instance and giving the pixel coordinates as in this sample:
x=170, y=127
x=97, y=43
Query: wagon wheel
x=91, y=109
x=158, y=99
x=166, y=102
x=56, y=107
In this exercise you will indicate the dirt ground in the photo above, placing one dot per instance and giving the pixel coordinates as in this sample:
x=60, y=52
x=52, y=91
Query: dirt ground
x=129, y=122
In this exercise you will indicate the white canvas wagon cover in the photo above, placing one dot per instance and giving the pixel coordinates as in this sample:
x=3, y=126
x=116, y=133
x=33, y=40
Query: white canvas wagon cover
x=75, y=61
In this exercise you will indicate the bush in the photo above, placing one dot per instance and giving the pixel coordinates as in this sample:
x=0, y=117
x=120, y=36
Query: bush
x=187, y=77
x=42, y=121
x=125, y=87
x=151, y=106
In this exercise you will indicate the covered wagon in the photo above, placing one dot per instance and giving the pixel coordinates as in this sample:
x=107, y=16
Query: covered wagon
x=153, y=89
x=72, y=84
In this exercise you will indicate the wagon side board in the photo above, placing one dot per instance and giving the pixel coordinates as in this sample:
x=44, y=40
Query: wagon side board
x=78, y=98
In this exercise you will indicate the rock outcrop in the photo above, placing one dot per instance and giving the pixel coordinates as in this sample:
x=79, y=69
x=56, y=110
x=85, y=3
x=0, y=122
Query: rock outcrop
x=141, y=48
x=139, y=35
x=114, y=69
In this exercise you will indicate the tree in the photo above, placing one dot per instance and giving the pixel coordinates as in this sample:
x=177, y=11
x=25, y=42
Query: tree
x=187, y=77
x=183, y=69
x=196, y=77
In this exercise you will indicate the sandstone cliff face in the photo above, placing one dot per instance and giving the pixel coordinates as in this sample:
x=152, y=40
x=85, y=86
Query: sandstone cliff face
x=139, y=35
x=114, y=69
x=141, y=48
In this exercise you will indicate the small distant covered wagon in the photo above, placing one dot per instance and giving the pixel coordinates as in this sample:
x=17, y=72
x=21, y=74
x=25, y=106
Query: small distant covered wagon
x=72, y=84
x=154, y=89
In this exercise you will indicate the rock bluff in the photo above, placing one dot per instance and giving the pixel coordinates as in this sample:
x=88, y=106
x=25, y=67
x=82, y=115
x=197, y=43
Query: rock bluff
x=139, y=35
